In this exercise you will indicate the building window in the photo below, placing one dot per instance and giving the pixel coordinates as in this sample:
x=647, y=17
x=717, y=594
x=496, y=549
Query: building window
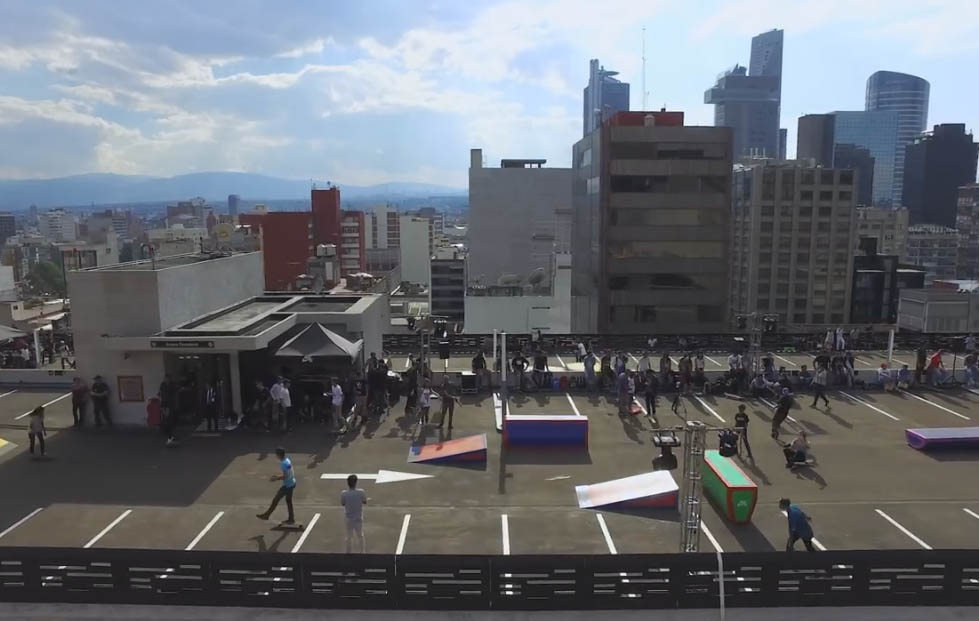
x=808, y=178
x=846, y=177
x=845, y=195
x=788, y=187
x=708, y=313
x=825, y=212
x=826, y=177
x=800, y=303
x=768, y=185
x=825, y=195
x=799, y=318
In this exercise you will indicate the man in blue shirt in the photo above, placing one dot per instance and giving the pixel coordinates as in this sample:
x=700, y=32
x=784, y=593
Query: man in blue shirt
x=799, y=527
x=288, y=478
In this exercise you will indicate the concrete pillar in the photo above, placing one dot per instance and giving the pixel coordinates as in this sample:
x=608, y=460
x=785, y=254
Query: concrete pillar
x=236, y=405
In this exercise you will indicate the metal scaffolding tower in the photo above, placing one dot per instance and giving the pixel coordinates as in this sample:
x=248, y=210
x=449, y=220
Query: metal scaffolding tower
x=695, y=436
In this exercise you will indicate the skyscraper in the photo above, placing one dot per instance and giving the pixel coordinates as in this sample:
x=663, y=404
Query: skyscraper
x=907, y=95
x=815, y=139
x=604, y=96
x=936, y=164
x=748, y=100
x=877, y=132
x=233, y=205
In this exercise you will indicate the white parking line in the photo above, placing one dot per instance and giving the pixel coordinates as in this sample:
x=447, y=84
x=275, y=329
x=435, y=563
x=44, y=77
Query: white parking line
x=200, y=535
x=404, y=534
x=634, y=359
x=561, y=362
x=786, y=360
x=932, y=403
x=872, y=407
x=815, y=541
x=308, y=529
x=44, y=405
x=608, y=537
x=641, y=407
x=710, y=409
x=7, y=393
x=573, y=406
x=969, y=511
x=772, y=405
x=714, y=361
x=105, y=530
x=866, y=364
x=896, y=525
x=505, y=525
x=20, y=521
x=710, y=537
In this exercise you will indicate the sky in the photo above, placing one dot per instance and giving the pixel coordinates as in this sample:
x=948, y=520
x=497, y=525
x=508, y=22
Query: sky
x=380, y=91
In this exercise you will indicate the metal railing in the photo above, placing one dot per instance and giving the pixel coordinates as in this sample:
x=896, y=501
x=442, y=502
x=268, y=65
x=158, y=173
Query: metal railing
x=891, y=577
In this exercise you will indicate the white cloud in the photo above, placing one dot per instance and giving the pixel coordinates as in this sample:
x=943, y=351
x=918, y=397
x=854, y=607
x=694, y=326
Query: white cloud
x=316, y=46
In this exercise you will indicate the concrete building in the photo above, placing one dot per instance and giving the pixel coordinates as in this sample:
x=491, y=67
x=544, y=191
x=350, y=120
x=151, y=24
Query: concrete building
x=325, y=212
x=8, y=288
x=205, y=317
x=907, y=96
x=651, y=205
x=875, y=131
x=887, y=227
x=748, y=100
x=936, y=164
x=523, y=309
x=967, y=222
x=382, y=227
x=189, y=213
x=877, y=284
x=793, y=232
x=414, y=255
x=175, y=233
x=83, y=255
x=519, y=214
x=122, y=222
x=233, y=200
x=815, y=139
x=353, y=249
x=58, y=225
x=860, y=160
x=604, y=96
x=447, y=295
x=8, y=227
x=939, y=310
x=935, y=248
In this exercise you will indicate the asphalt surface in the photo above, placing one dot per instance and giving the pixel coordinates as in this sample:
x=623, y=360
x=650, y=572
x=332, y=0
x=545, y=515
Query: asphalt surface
x=123, y=488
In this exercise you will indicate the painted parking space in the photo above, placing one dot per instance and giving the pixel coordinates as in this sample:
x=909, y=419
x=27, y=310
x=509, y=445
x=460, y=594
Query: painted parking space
x=161, y=528
x=534, y=531
x=64, y=525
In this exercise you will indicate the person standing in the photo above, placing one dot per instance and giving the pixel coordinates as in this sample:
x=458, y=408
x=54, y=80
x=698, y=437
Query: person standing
x=741, y=421
x=353, y=500
x=590, y=362
x=360, y=399
x=64, y=353
x=288, y=478
x=100, y=401
x=446, y=394
x=581, y=351
x=605, y=368
x=622, y=392
x=643, y=364
x=286, y=403
x=277, y=402
x=970, y=344
x=36, y=430
x=336, y=403
x=79, y=400
x=425, y=402
x=519, y=366
x=211, y=407
x=650, y=390
x=540, y=369
x=819, y=386
x=665, y=368
x=799, y=527
x=781, y=411
x=168, y=397
x=479, y=370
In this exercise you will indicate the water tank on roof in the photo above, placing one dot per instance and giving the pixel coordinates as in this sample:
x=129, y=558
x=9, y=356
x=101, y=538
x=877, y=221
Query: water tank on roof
x=649, y=120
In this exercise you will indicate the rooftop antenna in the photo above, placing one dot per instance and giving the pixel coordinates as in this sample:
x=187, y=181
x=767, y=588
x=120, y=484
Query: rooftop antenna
x=644, y=92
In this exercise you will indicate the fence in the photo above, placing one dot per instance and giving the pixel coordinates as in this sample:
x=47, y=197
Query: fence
x=777, y=342
x=891, y=577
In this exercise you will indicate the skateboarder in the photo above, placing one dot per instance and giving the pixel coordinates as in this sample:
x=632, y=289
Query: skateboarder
x=741, y=426
x=288, y=478
x=781, y=411
x=799, y=527
x=353, y=500
x=36, y=428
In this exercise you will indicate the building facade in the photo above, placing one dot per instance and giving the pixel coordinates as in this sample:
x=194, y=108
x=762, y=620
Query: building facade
x=877, y=284
x=967, y=222
x=934, y=248
x=353, y=248
x=447, y=293
x=887, y=227
x=233, y=200
x=793, y=233
x=875, y=131
x=936, y=165
x=860, y=160
x=939, y=310
x=383, y=227
x=815, y=139
x=414, y=255
x=604, y=96
x=519, y=214
x=748, y=99
x=58, y=225
x=8, y=226
x=907, y=96
x=651, y=207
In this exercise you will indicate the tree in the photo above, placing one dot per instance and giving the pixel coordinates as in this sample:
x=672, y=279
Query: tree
x=47, y=278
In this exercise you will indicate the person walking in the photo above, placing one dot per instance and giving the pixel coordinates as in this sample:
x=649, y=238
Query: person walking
x=799, y=527
x=336, y=403
x=36, y=430
x=580, y=352
x=741, y=421
x=590, y=362
x=79, y=400
x=353, y=500
x=288, y=478
x=446, y=394
x=819, y=386
x=479, y=370
x=425, y=402
x=100, y=401
x=650, y=390
x=168, y=397
x=781, y=411
x=622, y=393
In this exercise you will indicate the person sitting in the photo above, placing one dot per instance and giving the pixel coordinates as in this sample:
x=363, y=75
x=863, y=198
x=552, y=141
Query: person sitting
x=805, y=377
x=904, y=378
x=727, y=442
x=797, y=452
x=760, y=387
x=884, y=377
x=971, y=370
x=937, y=375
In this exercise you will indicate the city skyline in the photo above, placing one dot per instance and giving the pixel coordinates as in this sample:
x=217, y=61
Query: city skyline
x=384, y=92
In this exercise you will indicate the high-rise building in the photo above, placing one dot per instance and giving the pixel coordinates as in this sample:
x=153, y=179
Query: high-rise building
x=815, y=139
x=860, y=161
x=58, y=225
x=519, y=215
x=604, y=96
x=907, y=95
x=353, y=246
x=935, y=248
x=651, y=204
x=878, y=280
x=8, y=226
x=326, y=215
x=887, y=227
x=793, y=232
x=383, y=227
x=935, y=166
x=447, y=294
x=875, y=131
x=783, y=143
x=415, y=258
x=967, y=223
x=748, y=100
x=233, y=204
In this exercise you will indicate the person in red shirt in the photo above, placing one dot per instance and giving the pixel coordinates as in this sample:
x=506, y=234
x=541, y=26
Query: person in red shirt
x=936, y=369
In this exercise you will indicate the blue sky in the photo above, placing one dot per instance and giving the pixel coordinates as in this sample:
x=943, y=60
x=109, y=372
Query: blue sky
x=375, y=91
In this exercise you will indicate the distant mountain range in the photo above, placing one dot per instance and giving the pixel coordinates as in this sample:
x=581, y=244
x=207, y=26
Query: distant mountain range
x=81, y=190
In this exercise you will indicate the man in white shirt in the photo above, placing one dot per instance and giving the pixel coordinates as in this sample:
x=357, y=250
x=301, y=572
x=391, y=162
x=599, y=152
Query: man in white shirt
x=644, y=363
x=353, y=500
x=276, y=393
x=336, y=400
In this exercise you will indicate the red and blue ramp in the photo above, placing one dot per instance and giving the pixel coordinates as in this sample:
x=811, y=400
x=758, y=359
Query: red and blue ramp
x=545, y=430
x=648, y=490
x=942, y=437
x=461, y=450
